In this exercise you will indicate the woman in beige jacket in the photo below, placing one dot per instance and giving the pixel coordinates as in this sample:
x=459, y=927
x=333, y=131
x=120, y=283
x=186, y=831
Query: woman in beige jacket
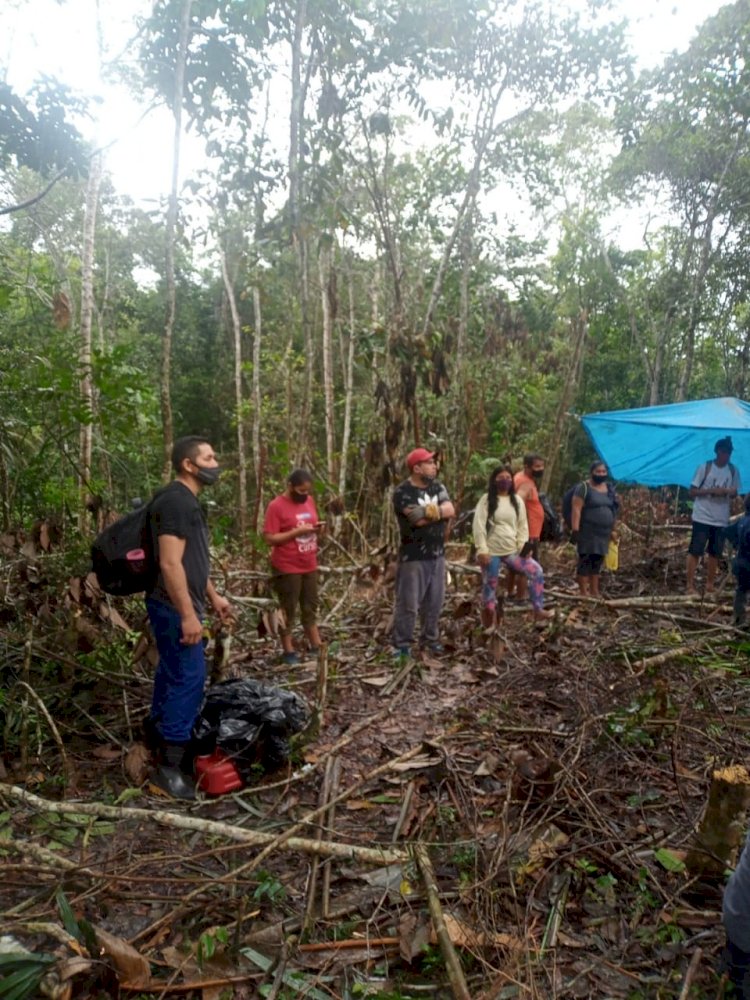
x=501, y=535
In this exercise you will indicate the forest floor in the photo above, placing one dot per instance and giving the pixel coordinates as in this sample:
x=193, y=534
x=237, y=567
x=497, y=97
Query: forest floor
x=511, y=820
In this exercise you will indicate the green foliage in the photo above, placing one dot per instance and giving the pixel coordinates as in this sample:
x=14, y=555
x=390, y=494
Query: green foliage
x=268, y=888
x=528, y=89
x=431, y=959
x=21, y=974
x=36, y=131
x=209, y=943
x=668, y=860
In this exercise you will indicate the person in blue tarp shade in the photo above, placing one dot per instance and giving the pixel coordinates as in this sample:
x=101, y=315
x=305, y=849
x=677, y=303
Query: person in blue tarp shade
x=741, y=564
x=593, y=513
x=713, y=487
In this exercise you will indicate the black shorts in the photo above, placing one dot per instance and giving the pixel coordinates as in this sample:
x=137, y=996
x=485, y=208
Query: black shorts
x=702, y=533
x=589, y=564
x=296, y=590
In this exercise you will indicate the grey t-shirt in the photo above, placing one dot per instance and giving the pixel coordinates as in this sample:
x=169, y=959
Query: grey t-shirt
x=714, y=510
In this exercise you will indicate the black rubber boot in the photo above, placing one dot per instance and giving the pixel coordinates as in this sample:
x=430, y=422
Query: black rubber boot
x=736, y=963
x=152, y=739
x=170, y=776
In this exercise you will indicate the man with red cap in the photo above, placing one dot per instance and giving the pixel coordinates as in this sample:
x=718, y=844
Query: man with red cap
x=422, y=507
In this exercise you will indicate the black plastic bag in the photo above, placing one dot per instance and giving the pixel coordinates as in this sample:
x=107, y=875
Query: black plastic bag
x=251, y=722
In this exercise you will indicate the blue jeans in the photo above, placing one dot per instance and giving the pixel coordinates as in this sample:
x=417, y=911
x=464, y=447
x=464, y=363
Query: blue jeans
x=180, y=676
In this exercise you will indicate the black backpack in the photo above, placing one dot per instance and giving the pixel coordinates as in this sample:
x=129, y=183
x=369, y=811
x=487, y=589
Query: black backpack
x=567, y=501
x=122, y=556
x=707, y=469
x=551, y=530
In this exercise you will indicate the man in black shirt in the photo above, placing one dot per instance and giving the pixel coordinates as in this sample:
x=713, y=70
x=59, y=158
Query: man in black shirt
x=422, y=506
x=176, y=605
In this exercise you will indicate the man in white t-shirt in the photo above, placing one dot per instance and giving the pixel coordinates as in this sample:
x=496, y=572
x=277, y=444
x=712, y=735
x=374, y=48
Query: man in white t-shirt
x=714, y=486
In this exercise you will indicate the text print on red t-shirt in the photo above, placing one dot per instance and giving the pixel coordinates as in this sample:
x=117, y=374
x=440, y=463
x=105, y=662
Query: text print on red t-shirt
x=306, y=543
x=298, y=554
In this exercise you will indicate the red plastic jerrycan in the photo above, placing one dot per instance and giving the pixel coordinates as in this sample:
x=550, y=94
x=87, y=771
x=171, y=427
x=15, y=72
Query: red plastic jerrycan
x=216, y=774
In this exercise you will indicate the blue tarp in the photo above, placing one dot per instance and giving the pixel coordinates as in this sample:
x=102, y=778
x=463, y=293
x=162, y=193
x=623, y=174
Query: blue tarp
x=663, y=445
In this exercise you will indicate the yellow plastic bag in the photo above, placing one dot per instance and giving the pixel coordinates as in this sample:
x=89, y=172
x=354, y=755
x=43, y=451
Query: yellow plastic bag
x=612, y=558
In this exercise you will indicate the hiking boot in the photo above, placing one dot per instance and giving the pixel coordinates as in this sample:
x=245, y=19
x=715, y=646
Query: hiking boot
x=401, y=653
x=290, y=659
x=170, y=776
x=436, y=648
x=736, y=963
x=174, y=782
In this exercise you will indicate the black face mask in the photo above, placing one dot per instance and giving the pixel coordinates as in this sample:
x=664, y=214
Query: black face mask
x=299, y=497
x=207, y=476
x=537, y=475
x=597, y=478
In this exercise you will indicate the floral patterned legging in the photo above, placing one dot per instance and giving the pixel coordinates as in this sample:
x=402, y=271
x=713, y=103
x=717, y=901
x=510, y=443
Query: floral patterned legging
x=529, y=568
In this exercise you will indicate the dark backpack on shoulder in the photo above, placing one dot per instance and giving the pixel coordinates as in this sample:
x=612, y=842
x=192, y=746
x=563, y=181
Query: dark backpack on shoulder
x=707, y=469
x=567, y=502
x=551, y=530
x=122, y=555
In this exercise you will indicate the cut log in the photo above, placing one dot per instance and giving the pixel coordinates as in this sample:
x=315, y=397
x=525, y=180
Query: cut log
x=723, y=825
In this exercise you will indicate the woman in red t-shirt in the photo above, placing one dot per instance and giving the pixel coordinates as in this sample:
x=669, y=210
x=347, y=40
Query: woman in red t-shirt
x=291, y=528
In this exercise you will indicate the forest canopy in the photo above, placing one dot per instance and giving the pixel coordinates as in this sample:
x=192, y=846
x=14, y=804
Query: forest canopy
x=346, y=278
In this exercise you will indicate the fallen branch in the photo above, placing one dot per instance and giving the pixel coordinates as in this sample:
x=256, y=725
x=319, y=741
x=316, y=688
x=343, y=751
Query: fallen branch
x=358, y=901
x=456, y=567
x=383, y=942
x=165, y=986
x=400, y=677
x=274, y=843
x=690, y=974
x=625, y=602
x=659, y=659
x=323, y=800
x=349, y=852
x=452, y=963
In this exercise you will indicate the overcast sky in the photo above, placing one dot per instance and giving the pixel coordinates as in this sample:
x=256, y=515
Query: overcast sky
x=61, y=40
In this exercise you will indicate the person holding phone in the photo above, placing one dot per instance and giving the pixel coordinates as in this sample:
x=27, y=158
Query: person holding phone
x=291, y=527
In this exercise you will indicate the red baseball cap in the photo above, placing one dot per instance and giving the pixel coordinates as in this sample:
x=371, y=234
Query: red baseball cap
x=419, y=455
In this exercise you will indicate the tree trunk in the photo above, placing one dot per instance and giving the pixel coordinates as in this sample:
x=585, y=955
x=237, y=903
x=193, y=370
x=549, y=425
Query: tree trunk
x=467, y=247
x=698, y=282
x=325, y=274
x=484, y=129
x=170, y=238
x=238, y=401
x=257, y=409
x=579, y=328
x=348, y=391
x=299, y=238
x=5, y=498
x=86, y=386
x=723, y=824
